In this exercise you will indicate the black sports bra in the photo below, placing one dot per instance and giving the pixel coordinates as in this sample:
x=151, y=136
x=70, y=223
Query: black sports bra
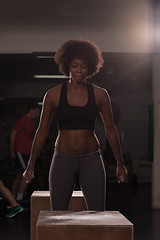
x=76, y=117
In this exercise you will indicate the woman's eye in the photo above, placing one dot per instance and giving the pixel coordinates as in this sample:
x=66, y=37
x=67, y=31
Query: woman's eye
x=74, y=66
x=84, y=66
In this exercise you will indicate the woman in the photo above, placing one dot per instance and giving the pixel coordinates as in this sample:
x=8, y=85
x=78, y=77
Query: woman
x=77, y=150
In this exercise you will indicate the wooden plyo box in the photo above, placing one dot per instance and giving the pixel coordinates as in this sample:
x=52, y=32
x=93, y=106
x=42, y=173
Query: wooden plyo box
x=40, y=200
x=84, y=225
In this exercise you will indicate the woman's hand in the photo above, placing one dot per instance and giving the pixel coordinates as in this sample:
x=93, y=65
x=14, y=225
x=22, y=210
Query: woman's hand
x=121, y=173
x=28, y=175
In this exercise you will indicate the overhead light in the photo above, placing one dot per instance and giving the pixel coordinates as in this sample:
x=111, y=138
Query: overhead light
x=49, y=76
x=44, y=56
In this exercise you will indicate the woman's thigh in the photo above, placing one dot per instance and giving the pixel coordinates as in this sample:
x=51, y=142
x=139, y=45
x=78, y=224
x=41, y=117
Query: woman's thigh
x=93, y=181
x=62, y=180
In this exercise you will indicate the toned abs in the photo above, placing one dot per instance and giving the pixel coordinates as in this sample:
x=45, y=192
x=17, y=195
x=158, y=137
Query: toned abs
x=77, y=142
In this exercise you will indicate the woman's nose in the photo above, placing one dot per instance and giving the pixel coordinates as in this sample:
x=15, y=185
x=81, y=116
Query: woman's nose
x=79, y=69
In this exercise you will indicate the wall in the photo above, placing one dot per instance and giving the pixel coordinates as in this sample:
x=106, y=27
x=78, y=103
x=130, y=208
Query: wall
x=116, y=26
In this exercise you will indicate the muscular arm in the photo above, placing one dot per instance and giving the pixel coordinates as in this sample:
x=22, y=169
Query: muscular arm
x=110, y=128
x=42, y=131
x=112, y=134
x=40, y=136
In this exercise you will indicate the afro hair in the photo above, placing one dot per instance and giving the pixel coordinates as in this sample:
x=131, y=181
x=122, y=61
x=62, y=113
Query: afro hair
x=79, y=49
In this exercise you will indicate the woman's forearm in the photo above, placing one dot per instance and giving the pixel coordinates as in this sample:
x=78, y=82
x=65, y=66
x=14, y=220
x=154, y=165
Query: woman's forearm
x=114, y=142
x=38, y=143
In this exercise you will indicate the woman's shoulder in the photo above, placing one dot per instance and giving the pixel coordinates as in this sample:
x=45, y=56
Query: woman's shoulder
x=53, y=94
x=100, y=91
x=54, y=90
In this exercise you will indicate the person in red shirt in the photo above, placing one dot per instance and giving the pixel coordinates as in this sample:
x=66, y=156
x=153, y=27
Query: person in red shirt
x=21, y=139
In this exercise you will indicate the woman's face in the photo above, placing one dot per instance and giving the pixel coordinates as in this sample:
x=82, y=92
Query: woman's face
x=78, y=70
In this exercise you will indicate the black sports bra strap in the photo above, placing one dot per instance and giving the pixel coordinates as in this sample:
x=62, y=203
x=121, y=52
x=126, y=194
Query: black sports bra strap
x=91, y=96
x=63, y=95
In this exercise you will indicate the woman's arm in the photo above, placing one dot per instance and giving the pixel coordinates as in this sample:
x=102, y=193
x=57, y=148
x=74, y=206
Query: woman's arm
x=112, y=134
x=40, y=136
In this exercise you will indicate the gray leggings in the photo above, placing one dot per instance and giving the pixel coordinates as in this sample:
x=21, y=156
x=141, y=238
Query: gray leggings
x=92, y=179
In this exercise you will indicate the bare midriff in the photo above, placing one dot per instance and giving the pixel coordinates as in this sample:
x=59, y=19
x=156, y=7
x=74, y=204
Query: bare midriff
x=77, y=142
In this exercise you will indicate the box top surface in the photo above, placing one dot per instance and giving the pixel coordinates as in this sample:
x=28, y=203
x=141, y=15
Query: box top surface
x=66, y=218
x=47, y=194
